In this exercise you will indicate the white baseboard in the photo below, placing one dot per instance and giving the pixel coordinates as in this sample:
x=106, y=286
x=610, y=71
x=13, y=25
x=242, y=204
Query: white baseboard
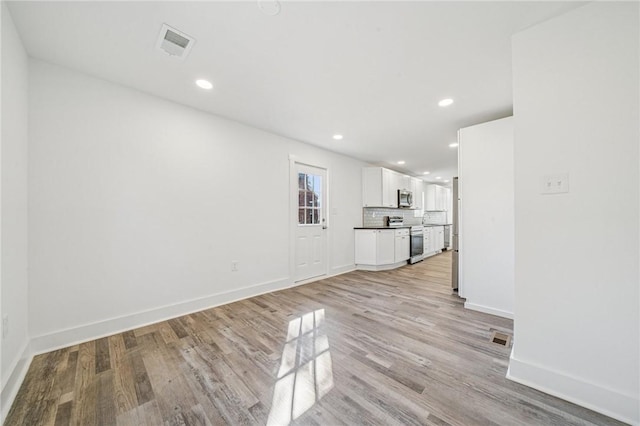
x=87, y=332
x=72, y=336
x=488, y=310
x=13, y=366
x=432, y=253
x=381, y=267
x=11, y=384
x=339, y=270
x=610, y=402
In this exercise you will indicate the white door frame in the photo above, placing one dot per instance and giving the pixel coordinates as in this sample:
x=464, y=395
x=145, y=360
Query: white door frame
x=293, y=217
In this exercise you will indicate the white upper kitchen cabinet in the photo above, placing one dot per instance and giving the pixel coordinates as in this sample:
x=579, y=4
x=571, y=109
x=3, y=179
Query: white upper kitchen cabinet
x=390, y=188
x=379, y=187
x=445, y=198
x=437, y=198
x=416, y=190
x=430, y=198
x=404, y=182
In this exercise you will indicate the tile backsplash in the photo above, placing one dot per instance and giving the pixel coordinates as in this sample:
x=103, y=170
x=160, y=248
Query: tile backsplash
x=374, y=216
x=435, y=217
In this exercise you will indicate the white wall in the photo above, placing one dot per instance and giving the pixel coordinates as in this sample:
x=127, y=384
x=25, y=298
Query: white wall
x=485, y=183
x=13, y=276
x=577, y=300
x=138, y=206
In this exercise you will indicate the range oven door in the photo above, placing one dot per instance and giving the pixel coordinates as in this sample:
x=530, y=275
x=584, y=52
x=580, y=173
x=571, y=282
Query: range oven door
x=417, y=244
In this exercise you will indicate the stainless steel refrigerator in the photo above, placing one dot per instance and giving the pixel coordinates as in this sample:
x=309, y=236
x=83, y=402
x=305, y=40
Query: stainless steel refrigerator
x=455, y=230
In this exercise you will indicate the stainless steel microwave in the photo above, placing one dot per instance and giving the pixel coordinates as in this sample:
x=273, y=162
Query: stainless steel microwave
x=405, y=198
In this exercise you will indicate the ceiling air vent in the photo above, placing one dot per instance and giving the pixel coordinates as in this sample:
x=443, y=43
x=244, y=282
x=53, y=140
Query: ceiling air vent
x=174, y=43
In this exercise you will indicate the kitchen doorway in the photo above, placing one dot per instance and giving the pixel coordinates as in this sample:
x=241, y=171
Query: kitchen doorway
x=310, y=222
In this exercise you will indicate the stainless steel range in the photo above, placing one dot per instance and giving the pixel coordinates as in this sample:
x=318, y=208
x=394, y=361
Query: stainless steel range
x=417, y=243
x=393, y=221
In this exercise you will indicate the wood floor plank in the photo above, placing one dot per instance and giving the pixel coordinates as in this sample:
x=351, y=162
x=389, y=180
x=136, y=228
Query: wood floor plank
x=63, y=415
x=147, y=414
x=124, y=389
x=83, y=410
x=129, y=338
x=103, y=358
x=142, y=384
x=105, y=401
x=177, y=327
x=378, y=348
x=68, y=378
x=43, y=407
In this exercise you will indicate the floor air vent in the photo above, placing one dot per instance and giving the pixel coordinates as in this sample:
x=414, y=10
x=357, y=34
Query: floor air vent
x=500, y=338
x=174, y=43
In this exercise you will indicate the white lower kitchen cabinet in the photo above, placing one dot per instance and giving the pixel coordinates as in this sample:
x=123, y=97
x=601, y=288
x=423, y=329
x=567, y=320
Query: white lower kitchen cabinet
x=426, y=241
x=385, y=247
x=381, y=249
x=433, y=240
x=402, y=246
x=439, y=237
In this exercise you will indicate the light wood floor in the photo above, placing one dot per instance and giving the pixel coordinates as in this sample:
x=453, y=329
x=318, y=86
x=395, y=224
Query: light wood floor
x=362, y=348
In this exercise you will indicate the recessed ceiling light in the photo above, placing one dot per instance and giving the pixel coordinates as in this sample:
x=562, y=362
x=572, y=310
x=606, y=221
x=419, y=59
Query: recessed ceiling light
x=400, y=162
x=338, y=137
x=453, y=145
x=446, y=181
x=445, y=102
x=204, y=84
x=438, y=177
x=426, y=173
x=269, y=7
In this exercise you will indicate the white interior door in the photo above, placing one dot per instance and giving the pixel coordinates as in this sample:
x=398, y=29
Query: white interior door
x=311, y=234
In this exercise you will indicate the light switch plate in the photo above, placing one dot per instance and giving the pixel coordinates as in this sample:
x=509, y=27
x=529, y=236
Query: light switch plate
x=555, y=184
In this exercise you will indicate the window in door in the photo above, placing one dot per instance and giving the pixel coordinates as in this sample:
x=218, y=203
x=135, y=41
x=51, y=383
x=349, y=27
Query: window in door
x=309, y=199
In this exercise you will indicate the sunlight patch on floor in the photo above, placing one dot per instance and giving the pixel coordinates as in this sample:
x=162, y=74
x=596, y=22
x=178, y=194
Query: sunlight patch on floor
x=306, y=373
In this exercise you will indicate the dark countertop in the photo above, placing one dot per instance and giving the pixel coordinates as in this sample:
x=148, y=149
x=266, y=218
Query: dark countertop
x=399, y=227
x=384, y=227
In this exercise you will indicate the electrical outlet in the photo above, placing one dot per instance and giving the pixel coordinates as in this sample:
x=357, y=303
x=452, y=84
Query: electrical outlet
x=5, y=326
x=555, y=184
x=234, y=266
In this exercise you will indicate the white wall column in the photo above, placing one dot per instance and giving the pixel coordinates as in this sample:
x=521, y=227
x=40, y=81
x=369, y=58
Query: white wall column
x=576, y=86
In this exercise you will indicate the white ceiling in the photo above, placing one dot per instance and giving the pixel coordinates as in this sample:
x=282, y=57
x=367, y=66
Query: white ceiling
x=372, y=71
